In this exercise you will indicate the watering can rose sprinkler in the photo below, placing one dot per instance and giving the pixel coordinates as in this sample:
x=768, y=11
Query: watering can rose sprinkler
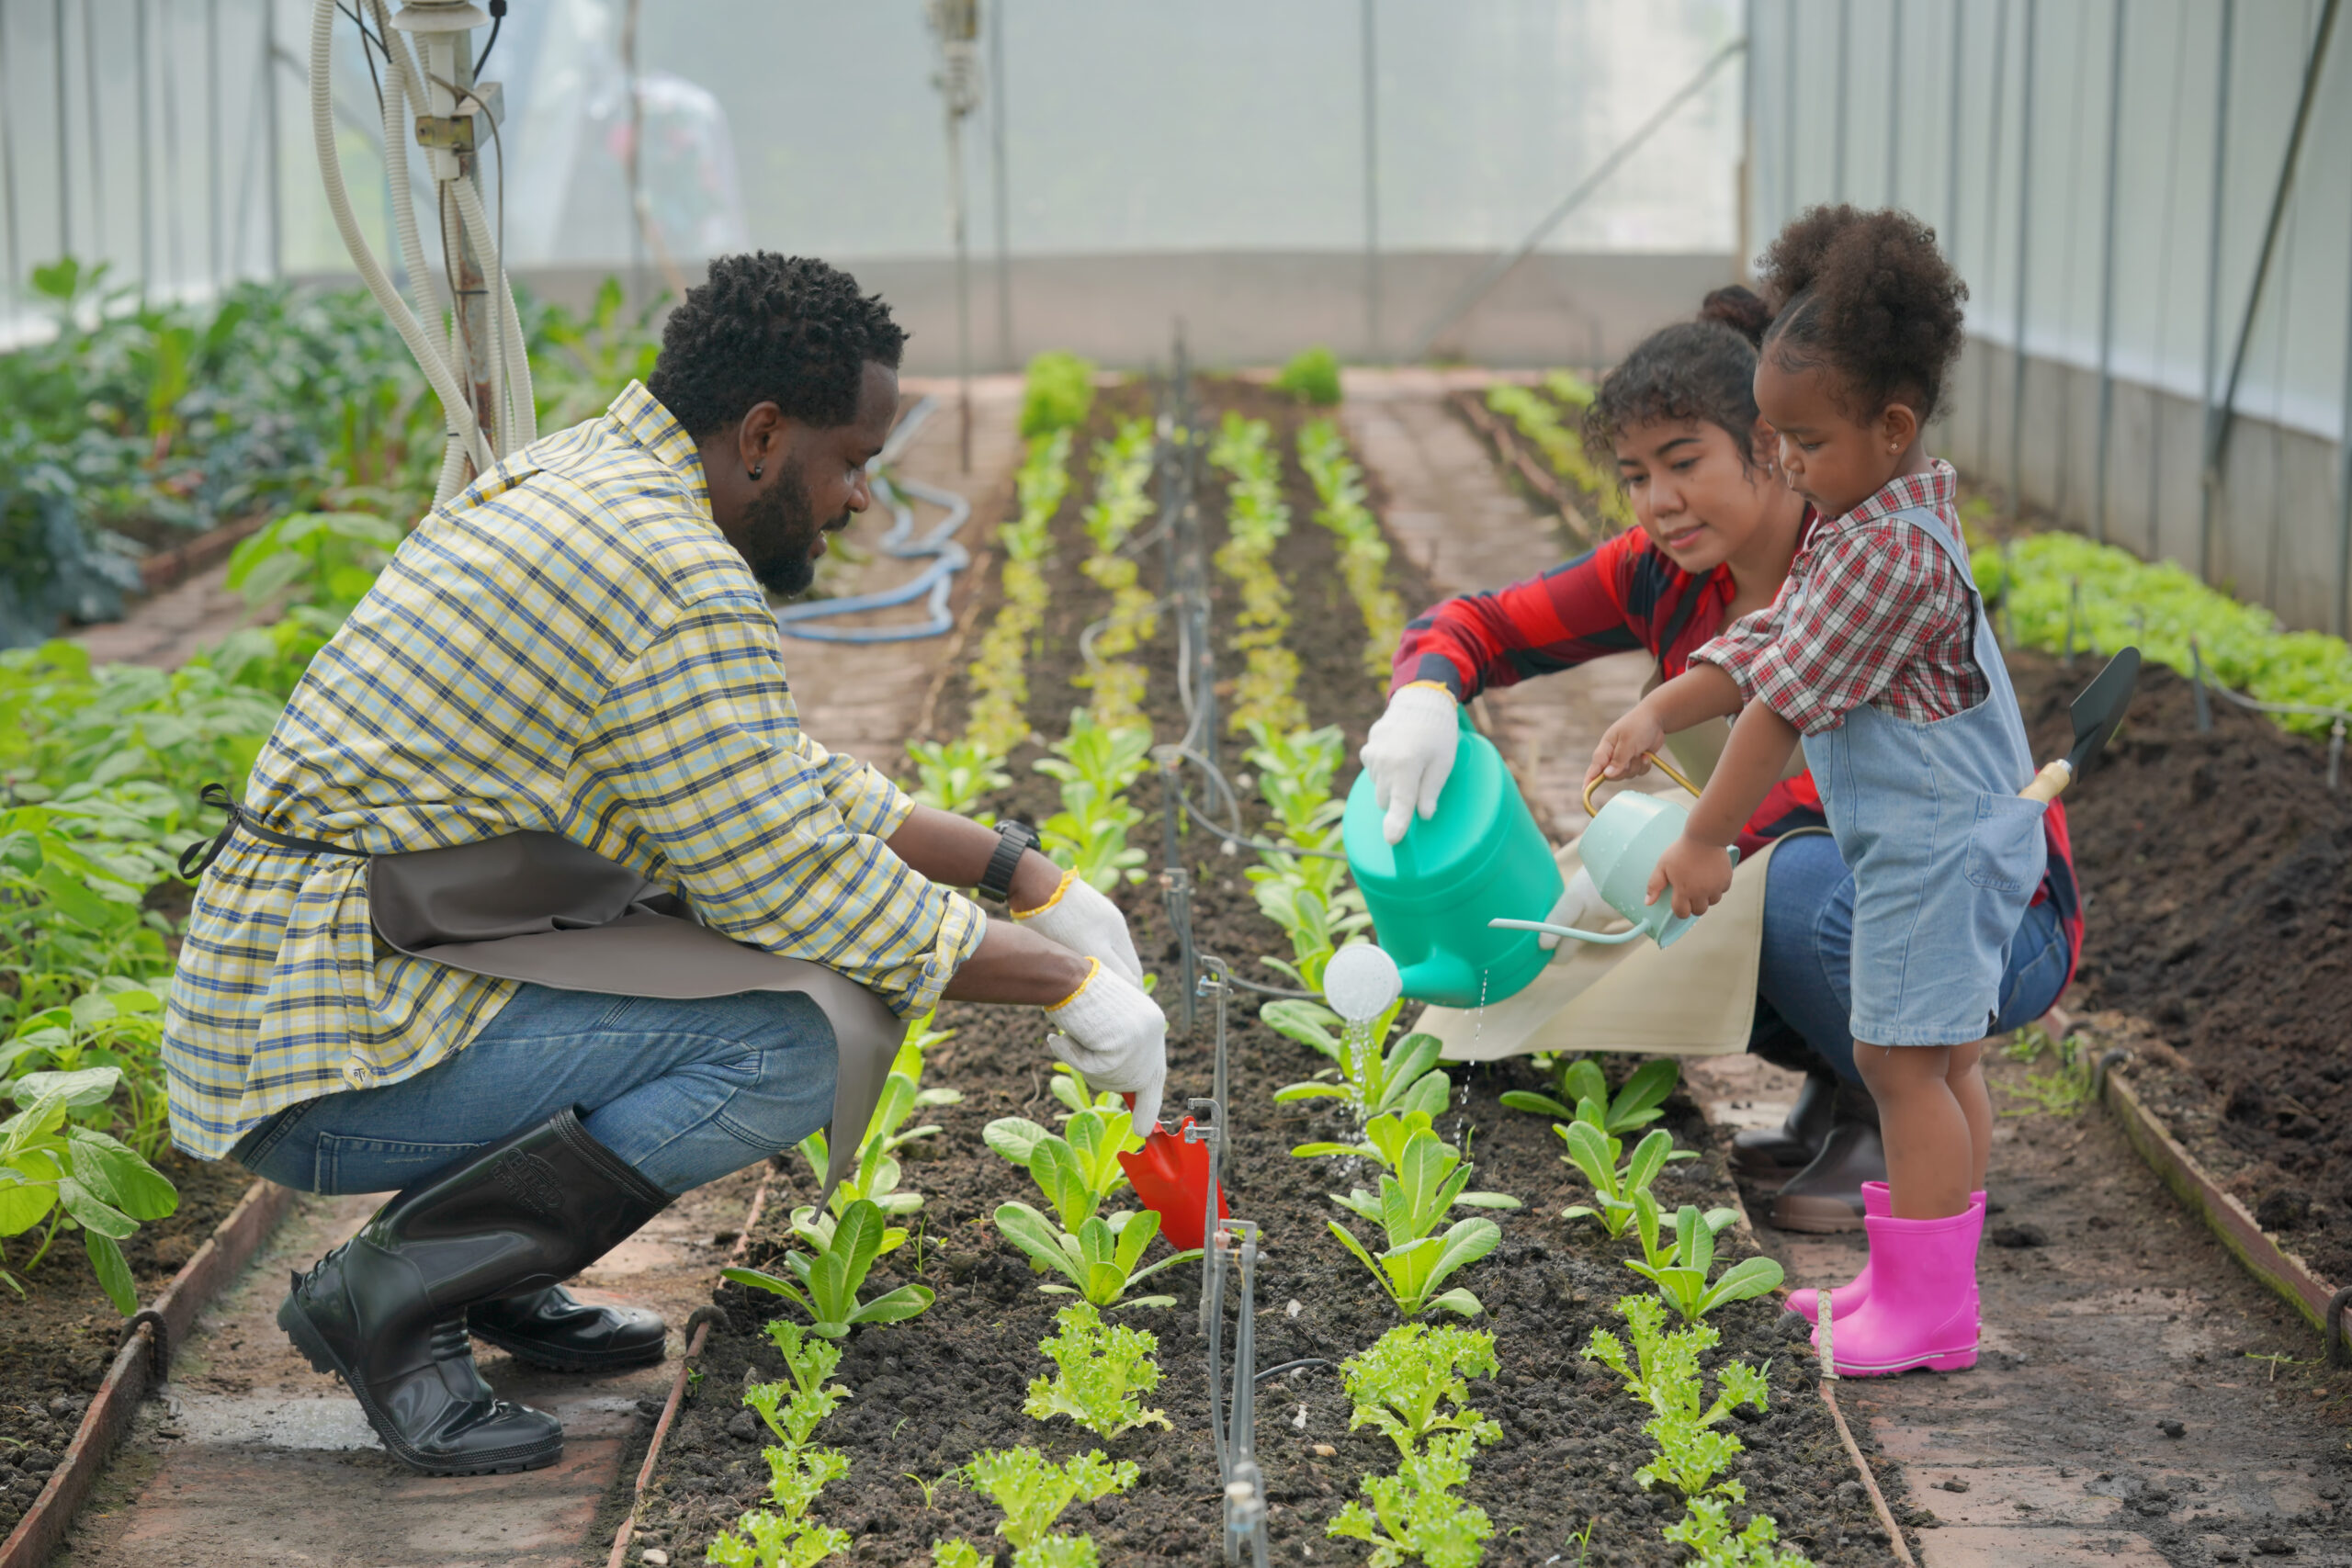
x=1459, y=901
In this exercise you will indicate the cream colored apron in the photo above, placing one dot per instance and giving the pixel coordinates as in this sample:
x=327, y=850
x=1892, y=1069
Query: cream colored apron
x=1695, y=998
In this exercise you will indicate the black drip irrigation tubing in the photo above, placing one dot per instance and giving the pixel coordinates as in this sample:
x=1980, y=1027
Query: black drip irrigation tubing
x=2308, y=710
x=935, y=582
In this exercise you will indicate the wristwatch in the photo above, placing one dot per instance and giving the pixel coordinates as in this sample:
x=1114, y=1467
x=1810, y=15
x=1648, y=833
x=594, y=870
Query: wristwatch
x=1013, y=840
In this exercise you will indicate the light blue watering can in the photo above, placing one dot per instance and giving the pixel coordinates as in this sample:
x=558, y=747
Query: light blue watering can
x=1619, y=851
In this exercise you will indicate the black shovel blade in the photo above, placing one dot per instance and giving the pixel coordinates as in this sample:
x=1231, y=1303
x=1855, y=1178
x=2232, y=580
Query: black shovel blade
x=2099, y=709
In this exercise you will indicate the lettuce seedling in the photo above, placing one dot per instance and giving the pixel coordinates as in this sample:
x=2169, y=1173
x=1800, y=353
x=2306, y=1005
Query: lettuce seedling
x=1663, y=1372
x=1706, y=1530
x=956, y=775
x=1640, y=1102
x=826, y=1286
x=796, y=1471
x=1034, y=1491
x=1411, y=1271
x=1415, y=1516
x=1660, y=1246
x=1406, y=1144
x=1077, y=1169
x=1371, y=1079
x=792, y=1409
x=1100, y=1260
x=1683, y=1281
x=1594, y=1153
x=1404, y=1382
x=1103, y=1372
x=771, y=1541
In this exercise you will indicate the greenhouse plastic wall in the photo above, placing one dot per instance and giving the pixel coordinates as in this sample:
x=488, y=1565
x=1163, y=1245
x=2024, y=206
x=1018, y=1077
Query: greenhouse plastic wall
x=1329, y=170
x=2104, y=171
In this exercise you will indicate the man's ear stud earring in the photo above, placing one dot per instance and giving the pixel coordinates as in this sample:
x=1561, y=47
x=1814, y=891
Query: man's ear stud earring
x=757, y=468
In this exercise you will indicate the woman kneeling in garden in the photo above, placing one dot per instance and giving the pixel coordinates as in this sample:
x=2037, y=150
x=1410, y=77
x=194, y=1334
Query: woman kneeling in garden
x=1718, y=529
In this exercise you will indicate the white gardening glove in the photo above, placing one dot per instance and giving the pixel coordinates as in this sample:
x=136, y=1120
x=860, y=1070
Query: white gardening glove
x=1408, y=754
x=1114, y=1035
x=1084, y=922
x=1580, y=905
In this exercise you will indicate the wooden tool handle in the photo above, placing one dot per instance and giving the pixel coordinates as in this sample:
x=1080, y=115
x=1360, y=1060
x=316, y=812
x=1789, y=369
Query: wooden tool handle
x=2047, y=783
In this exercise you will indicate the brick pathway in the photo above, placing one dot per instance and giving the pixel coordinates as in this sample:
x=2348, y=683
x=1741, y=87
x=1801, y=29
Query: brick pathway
x=251, y=1458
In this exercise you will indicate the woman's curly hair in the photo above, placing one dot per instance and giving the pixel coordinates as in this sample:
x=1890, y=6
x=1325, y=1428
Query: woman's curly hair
x=786, y=329
x=1703, y=370
x=1869, y=294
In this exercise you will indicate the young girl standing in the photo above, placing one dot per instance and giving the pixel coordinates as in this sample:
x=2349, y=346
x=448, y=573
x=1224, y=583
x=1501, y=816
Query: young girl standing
x=1878, y=654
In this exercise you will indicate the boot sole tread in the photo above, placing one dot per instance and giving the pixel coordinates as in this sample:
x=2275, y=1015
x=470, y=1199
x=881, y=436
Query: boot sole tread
x=322, y=1358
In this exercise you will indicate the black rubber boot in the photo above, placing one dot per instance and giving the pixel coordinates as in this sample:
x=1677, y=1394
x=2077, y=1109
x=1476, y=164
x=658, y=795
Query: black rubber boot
x=1827, y=1195
x=386, y=1310
x=549, y=1328
x=1780, y=1153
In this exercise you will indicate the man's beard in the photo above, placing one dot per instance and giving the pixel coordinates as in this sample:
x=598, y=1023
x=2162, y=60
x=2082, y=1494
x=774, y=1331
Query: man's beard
x=780, y=533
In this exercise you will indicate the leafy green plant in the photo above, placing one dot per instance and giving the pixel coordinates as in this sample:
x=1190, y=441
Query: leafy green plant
x=2112, y=599
x=1614, y=1191
x=1123, y=469
x=1098, y=1260
x=999, y=719
x=1640, y=1102
x=1663, y=1372
x=1415, y=1515
x=1312, y=376
x=1103, y=1372
x=1077, y=1169
x=825, y=1284
x=956, y=775
x=2070, y=1083
x=1683, y=1279
x=1411, y=1268
x=1369, y=1077
x=1661, y=1244
x=1257, y=519
x=75, y=1177
x=1058, y=394
x=1417, y=1159
x=1095, y=763
x=1413, y=1383
x=1034, y=1492
x=785, y=1538
x=119, y=1023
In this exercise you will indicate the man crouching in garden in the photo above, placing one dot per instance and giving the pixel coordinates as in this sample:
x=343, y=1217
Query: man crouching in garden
x=540, y=908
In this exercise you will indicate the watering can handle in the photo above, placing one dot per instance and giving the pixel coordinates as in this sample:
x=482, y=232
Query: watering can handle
x=1669, y=769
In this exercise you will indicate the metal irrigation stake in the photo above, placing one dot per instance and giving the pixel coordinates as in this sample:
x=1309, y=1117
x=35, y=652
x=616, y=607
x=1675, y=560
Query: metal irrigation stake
x=1176, y=887
x=2197, y=680
x=2074, y=608
x=1245, y=1492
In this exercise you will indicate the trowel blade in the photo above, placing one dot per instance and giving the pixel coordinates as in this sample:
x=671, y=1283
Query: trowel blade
x=2099, y=709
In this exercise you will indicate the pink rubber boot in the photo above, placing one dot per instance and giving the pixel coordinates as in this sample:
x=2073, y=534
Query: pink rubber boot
x=1922, y=1305
x=1876, y=1200
x=1877, y=1203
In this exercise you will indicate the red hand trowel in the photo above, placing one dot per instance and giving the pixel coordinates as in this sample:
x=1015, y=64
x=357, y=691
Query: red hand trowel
x=1171, y=1177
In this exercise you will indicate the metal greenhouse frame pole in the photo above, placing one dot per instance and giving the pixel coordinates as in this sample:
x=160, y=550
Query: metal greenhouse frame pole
x=2213, y=275
x=1840, y=95
x=65, y=139
x=2025, y=271
x=8, y=154
x=2106, y=273
x=1951, y=134
x=1370, y=23
x=994, y=21
x=1893, y=88
x=215, y=254
x=2220, y=417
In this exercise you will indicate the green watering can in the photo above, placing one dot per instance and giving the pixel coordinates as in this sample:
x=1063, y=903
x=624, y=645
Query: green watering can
x=1432, y=894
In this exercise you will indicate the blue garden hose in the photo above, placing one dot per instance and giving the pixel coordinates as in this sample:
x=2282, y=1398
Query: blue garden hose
x=936, y=581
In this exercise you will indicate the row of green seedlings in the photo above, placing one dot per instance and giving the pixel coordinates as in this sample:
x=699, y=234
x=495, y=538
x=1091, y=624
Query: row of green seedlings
x=1364, y=549
x=826, y=1283
x=1123, y=469
x=1256, y=519
x=954, y=775
x=1537, y=418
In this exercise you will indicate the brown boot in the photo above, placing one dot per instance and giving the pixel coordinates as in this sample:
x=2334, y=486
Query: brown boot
x=1775, y=1153
x=1827, y=1194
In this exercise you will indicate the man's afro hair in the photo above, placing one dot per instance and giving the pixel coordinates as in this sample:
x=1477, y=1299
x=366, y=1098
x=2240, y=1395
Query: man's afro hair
x=1870, y=294
x=787, y=329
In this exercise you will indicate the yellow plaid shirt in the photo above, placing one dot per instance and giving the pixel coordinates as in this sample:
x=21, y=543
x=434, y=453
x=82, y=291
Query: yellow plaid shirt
x=570, y=645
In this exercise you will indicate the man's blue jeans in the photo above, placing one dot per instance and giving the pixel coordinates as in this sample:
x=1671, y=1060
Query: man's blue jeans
x=684, y=1091
x=1809, y=941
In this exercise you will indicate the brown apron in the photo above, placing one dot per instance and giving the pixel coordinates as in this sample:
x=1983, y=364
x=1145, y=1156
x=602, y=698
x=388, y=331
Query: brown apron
x=538, y=907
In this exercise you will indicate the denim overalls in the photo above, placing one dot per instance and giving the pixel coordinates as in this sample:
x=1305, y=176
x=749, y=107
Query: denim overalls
x=1945, y=853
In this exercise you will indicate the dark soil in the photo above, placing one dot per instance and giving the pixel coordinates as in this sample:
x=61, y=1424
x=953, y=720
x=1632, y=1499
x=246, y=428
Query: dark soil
x=929, y=1394
x=2219, y=872
x=55, y=1343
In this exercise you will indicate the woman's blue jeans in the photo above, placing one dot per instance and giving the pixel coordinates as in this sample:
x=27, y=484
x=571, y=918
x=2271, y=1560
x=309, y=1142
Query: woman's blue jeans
x=1808, y=937
x=684, y=1091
